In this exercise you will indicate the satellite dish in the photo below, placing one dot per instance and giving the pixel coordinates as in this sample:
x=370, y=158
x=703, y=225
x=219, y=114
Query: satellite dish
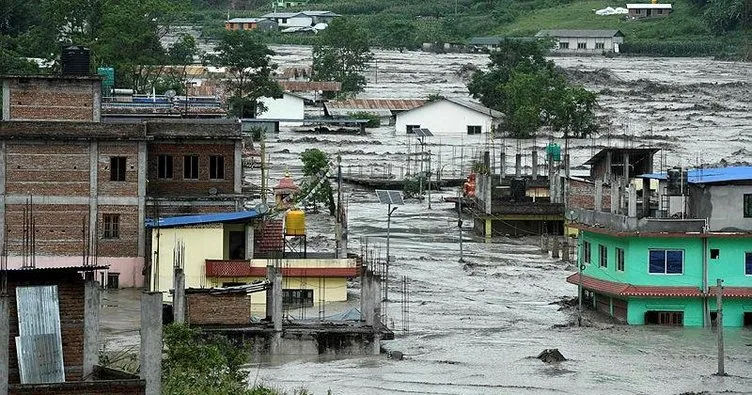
x=170, y=94
x=570, y=215
x=261, y=208
x=212, y=191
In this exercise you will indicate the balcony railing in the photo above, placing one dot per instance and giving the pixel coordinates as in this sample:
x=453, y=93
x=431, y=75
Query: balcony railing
x=623, y=223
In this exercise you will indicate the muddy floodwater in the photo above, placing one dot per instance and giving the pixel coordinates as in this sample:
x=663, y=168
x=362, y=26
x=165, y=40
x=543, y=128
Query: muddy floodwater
x=475, y=328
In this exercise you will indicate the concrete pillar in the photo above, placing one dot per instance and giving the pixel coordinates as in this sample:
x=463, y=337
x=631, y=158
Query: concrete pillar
x=632, y=201
x=238, y=167
x=369, y=298
x=598, y=195
x=377, y=299
x=555, y=247
x=625, y=173
x=544, y=244
x=503, y=164
x=608, y=165
x=376, y=342
x=277, y=297
x=142, y=166
x=270, y=275
x=363, y=294
x=151, y=342
x=6, y=100
x=518, y=165
x=614, y=197
x=4, y=339
x=94, y=189
x=249, y=242
x=565, y=251
x=566, y=165
x=178, y=296
x=92, y=303
x=646, y=197
x=535, y=164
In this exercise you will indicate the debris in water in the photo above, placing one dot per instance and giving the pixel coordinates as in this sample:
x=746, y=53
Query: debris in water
x=551, y=355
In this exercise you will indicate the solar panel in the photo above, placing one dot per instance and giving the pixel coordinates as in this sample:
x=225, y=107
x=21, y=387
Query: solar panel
x=389, y=197
x=422, y=132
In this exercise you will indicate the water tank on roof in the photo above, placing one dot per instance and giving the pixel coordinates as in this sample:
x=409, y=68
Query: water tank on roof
x=75, y=60
x=519, y=189
x=295, y=223
x=553, y=151
x=108, y=80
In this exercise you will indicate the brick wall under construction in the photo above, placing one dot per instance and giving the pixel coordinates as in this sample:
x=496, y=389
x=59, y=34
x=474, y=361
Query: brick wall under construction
x=225, y=309
x=581, y=194
x=178, y=185
x=53, y=98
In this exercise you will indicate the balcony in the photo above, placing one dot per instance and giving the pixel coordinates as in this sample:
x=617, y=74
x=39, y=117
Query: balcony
x=623, y=223
x=234, y=268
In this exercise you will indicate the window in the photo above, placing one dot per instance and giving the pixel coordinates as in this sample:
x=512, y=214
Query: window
x=666, y=262
x=600, y=45
x=410, y=128
x=164, y=166
x=715, y=253
x=748, y=205
x=586, y=251
x=581, y=45
x=602, y=255
x=297, y=297
x=190, y=167
x=748, y=263
x=111, y=226
x=473, y=129
x=620, y=259
x=563, y=45
x=669, y=318
x=216, y=167
x=117, y=168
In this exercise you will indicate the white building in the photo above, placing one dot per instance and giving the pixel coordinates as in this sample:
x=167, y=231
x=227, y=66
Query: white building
x=300, y=19
x=452, y=121
x=287, y=109
x=584, y=41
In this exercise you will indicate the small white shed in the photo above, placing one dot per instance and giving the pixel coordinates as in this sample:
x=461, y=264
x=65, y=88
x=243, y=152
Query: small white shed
x=451, y=120
x=287, y=109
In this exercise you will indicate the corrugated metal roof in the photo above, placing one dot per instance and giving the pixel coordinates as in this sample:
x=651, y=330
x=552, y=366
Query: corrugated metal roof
x=246, y=20
x=294, y=14
x=375, y=104
x=477, y=107
x=308, y=86
x=710, y=176
x=496, y=40
x=649, y=5
x=346, y=112
x=39, y=338
x=579, y=33
x=202, y=219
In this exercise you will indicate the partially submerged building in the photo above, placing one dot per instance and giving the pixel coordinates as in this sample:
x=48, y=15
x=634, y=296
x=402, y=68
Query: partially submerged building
x=583, y=40
x=648, y=10
x=453, y=120
x=657, y=260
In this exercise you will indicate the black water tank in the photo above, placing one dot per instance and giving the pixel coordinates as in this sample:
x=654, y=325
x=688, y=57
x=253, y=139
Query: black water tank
x=75, y=60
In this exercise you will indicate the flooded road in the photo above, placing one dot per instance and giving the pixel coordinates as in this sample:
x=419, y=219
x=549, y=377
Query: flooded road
x=475, y=328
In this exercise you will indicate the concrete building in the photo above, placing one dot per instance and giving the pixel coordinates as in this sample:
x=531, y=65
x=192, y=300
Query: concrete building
x=584, y=41
x=260, y=24
x=88, y=184
x=300, y=19
x=453, y=121
x=232, y=249
x=648, y=10
x=658, y=264
x=289, y=109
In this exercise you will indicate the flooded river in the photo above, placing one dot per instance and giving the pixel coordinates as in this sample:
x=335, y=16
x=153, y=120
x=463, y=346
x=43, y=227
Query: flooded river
x=475, y=328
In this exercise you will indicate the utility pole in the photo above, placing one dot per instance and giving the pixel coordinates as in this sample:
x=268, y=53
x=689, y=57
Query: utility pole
x=390, y=210
x=719, y=325
x=429, y=179
x=580, y=259
x=262, y=135
x=459, y=222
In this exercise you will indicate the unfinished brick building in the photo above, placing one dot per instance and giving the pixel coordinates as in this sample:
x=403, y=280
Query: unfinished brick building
x=90, y=183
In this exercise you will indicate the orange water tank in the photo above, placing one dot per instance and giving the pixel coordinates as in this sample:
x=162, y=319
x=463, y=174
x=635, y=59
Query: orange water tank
x=295, y=222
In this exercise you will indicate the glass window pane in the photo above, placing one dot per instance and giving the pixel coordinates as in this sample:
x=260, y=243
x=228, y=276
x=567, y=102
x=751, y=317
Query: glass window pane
x=674, y=261
x=748, y=263
x=657, y=261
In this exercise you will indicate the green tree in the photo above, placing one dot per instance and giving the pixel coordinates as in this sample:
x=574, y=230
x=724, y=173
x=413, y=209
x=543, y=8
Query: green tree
x=399, y=35
x=315, y=166
x=725, y=15
x=248, y=64
x=180, y=55
x=342, y=54
x=531, y=93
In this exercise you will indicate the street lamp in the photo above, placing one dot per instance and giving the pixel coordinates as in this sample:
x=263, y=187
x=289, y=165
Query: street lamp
x=389, y=198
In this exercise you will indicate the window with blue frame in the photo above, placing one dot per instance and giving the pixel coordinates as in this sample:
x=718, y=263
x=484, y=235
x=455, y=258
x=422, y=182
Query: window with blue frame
x=748, y=263
x=666, y=262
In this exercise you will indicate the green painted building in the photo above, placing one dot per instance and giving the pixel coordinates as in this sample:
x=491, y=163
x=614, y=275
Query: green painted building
x=663, y=270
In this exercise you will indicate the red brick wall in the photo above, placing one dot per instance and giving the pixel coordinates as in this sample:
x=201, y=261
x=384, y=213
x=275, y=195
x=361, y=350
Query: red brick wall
x=71, y=301
x=58, y=228
x=227, y=309
x=127, y=242
x=50, y=168
x=268, y=237
x=177, y=186
x=129, y=187
x=582, y=195
x=37, y=98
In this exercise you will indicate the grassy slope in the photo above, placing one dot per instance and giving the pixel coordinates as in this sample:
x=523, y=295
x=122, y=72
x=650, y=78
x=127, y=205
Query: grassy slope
x=683, y=24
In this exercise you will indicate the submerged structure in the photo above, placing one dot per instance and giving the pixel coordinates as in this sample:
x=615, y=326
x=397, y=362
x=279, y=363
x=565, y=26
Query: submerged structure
x=657, y=260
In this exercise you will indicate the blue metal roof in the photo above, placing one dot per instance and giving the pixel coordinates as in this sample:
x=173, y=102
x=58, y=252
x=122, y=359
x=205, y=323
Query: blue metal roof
x=712, y=175
x=202, y=219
